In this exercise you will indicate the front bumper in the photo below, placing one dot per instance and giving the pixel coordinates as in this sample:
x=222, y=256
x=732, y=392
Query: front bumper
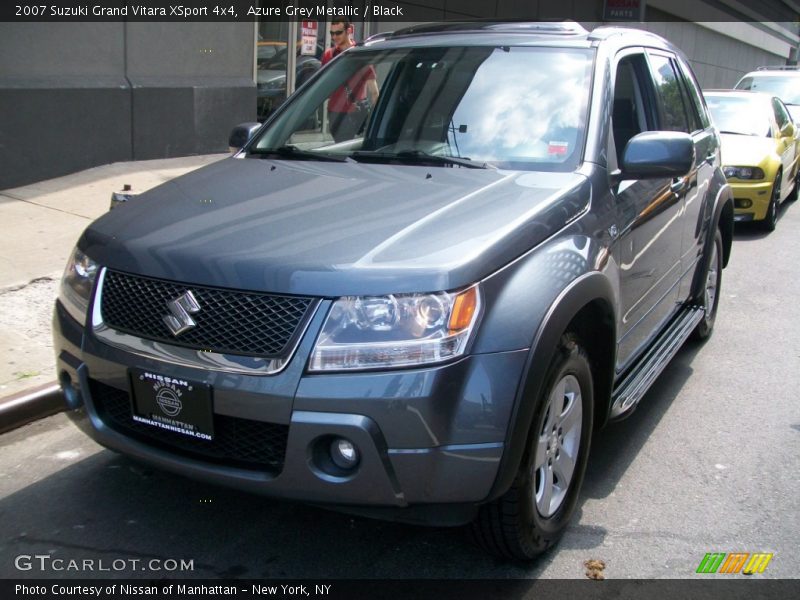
x=751, y=200
x=425, y=436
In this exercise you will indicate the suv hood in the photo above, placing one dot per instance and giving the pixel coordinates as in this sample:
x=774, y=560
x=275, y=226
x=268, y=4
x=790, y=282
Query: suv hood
x=331, y=229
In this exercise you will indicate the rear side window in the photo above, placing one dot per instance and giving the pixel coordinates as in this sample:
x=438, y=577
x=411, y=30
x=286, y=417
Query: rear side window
x=670, y=94
x=696, y=106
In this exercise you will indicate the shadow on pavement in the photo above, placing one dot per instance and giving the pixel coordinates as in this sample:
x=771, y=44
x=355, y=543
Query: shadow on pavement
x=109, y=507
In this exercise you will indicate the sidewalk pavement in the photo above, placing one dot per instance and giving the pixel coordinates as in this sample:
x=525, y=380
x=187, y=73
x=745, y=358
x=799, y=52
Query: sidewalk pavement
x=41, y=223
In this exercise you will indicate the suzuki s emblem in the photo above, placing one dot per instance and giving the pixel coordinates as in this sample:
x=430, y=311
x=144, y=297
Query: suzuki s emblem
x=181, y=308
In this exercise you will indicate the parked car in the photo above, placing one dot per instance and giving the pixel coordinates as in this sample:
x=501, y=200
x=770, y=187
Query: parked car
x=271, y=77
x=267, y=49
x=760, y=152
x=783, y=82
x=426, y=321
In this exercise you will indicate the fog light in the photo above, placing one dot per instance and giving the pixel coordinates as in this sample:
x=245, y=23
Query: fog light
x=344, y=453
x=742, y=202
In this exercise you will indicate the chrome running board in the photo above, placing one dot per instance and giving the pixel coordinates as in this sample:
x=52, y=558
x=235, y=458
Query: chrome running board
x=629, y=391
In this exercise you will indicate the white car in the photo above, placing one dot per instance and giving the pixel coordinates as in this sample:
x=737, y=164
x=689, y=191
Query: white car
x=783, y=82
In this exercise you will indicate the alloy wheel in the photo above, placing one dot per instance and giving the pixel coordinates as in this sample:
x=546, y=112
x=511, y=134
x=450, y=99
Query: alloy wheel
x=712, y=280
x=557, y=446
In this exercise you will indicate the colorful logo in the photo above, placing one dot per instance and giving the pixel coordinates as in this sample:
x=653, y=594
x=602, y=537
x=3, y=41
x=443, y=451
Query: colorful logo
x=735, y=562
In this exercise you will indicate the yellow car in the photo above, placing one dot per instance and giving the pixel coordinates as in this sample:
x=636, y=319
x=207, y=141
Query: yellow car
x=760, y=152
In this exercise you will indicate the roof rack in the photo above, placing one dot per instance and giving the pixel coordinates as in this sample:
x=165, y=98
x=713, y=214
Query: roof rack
x=543, y=27
x=377, y=37
x=779, y=68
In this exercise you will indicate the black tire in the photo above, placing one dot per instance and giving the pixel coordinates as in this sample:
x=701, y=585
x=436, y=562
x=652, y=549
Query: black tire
x=771, y=219
x=709, y=295
x=523, y=523
x=796, y=190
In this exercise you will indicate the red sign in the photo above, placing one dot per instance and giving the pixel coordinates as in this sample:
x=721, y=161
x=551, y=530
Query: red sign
x=309, y=33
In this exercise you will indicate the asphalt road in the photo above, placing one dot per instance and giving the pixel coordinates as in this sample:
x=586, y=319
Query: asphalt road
x=709, y=463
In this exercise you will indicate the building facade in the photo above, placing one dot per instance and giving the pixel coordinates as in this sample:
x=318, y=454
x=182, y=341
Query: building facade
x=79, y=94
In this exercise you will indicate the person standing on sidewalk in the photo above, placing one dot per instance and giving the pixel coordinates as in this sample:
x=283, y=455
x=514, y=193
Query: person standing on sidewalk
x=349, y=105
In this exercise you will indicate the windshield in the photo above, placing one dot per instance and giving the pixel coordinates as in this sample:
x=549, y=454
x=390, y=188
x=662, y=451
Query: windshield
x=786, y=88
x=506, y=107
x=734, y=114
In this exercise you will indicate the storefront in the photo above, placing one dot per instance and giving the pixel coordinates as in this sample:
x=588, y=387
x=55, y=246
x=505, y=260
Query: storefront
x=278, y=71
x=86, y=93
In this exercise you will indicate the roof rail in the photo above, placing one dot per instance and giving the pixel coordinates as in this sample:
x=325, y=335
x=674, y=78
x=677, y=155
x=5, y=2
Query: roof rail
x=779, y=68
x=378, y=37
x=543, y=27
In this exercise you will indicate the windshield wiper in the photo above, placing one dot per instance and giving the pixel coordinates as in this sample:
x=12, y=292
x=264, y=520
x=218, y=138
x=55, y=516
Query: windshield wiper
x=295, y=153
x=739, y=133
x=420, y=156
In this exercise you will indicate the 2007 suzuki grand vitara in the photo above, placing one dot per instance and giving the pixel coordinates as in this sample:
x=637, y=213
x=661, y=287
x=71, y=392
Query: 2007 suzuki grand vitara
x=427, y=318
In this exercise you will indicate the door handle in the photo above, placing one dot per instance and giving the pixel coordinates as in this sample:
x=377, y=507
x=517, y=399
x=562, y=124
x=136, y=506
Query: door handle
x=677, y=185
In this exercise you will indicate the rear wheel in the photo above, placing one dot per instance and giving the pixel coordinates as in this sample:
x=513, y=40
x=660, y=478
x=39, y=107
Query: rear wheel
x=536, y=510
x=709, y=299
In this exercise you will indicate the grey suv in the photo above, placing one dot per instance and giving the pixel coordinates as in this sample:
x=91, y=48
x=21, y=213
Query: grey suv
x=426, y=319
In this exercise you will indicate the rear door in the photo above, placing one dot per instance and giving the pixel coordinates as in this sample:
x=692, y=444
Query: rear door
x=681, y=97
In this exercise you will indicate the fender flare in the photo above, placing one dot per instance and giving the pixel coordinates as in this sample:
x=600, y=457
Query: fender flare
x=585, y=289
x=723, y=218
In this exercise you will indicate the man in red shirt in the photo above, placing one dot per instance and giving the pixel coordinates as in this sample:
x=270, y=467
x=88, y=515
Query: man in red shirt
x=348, y=106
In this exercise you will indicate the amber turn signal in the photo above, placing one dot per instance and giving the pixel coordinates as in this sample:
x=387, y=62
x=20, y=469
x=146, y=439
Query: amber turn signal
x=464, y=310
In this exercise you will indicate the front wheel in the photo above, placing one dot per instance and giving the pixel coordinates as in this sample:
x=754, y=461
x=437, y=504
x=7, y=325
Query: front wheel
x=534, y=513
x=710, y=296
x=771, y=220
x=796, y=189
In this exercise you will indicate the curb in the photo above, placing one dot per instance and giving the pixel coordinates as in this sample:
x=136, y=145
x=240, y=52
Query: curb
x=30, y=405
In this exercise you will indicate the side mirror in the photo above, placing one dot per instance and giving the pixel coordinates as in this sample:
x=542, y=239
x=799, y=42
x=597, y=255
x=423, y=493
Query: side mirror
x=655, y=154
x=788, y=130
x=241, y=134
x=125, y=195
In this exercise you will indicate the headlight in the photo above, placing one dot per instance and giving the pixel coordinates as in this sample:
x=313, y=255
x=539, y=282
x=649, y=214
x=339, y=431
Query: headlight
x=277, y=83
x=76, y=285
x=370, y=332
x=743, y=172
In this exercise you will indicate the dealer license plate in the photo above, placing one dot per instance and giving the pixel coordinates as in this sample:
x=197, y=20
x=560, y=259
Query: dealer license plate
x=172, y=404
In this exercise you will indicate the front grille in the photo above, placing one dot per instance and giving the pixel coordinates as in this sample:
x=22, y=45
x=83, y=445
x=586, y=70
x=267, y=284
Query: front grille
x=237, y=442
x=229, y=321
